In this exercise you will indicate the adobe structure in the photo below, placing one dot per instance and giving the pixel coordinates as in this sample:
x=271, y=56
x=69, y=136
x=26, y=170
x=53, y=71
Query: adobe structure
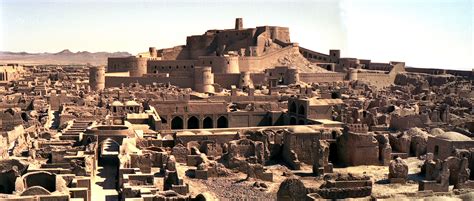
x=237, y=114
x=264, y=56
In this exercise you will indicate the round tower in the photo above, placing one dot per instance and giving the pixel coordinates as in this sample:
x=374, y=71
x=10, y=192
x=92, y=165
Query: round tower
x=352, y=74
x=232, y=64
x=152, y=51
x=227, y=64
x=204, y=79
x=245, y=80
x=293, y=76
x=138, y=66
x=97, y=78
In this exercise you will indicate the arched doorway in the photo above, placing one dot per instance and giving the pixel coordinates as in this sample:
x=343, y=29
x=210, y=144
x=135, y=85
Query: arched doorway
x=109, y=163
x=207, y=123
x=193, y=123
x=177, y=123
x=293, y=107
x=222, y=122
x=301, y=110
x=109, y=145
x=292, y=121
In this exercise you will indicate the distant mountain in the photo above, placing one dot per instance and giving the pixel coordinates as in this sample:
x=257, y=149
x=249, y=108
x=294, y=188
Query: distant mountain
x=64, y=52
x=62, y=57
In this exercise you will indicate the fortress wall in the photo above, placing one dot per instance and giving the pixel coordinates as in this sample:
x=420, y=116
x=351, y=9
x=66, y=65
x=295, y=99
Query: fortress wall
x=260, y=63
x=314, y=56
x=275, y=32
x=380, y=66
x=379, y=80
x=258, y=78
x=119, y=64
x=178, y=52
x=166, y=66
x=280, y=33
x=184, y=82
x=135, y=65
x=322, y=77
x=349, y=63
x=219, y=41
x=195, y=54
x=282, y=43
x=199, y=41
x=227, y=37
x=433, y=71
x=227, y=80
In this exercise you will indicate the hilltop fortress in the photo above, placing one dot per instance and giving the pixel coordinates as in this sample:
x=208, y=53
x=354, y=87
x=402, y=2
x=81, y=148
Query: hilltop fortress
x=243, y=57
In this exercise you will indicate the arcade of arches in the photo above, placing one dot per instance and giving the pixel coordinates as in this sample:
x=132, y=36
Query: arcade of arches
x=194, y=122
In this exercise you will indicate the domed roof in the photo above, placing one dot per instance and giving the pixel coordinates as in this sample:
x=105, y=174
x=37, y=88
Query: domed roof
x=436, y=131
x=454, y=136
x=117, y=103
x=415, y=131
x=131, y=103
x=301, y=129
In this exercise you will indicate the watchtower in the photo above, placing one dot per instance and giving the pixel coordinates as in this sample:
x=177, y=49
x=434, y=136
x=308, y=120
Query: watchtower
x=97, y=78
x=239, y=25
x=203, y=79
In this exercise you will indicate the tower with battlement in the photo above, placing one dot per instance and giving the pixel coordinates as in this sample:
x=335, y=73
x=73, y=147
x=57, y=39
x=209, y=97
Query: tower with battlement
x=97, y=78
x=203, y=79
x=239, y=24
x=293, y=76
x=153, y=52
x=229, y=64
x=245, y=80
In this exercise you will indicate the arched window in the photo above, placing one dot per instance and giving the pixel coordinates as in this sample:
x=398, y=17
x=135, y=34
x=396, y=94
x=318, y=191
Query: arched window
x=177, y=123
x=222, y=122
x=301, y=110
x=293, y=107
x=193, y=123
x=207, y=123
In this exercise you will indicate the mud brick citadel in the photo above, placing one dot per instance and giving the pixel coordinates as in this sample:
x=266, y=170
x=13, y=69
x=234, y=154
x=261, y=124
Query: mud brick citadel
x=262, y=56
x=236, y=114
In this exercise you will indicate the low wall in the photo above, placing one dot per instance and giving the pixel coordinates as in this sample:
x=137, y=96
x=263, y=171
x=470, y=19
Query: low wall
x=227, y=80
x=433, y=71
x=260, y=63
x=183, y=82
x=322, y=77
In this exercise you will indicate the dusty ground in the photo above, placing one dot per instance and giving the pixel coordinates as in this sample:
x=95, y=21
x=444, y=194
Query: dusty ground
x=237, y=187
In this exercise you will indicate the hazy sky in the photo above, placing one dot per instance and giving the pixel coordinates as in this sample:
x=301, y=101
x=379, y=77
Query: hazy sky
x=423, y=33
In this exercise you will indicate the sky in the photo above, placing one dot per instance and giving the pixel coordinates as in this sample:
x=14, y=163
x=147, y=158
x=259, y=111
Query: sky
x=423, y=33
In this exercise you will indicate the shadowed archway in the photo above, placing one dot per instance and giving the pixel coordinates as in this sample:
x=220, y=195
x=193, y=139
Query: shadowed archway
x=177, y=123
x=207, y=123
x=222, y=122
x=193, y=123
x=301, y=110
x=293, y=107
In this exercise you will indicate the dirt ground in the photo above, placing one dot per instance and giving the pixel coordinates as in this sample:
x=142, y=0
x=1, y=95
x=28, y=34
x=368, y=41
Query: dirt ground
x=238, y=187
